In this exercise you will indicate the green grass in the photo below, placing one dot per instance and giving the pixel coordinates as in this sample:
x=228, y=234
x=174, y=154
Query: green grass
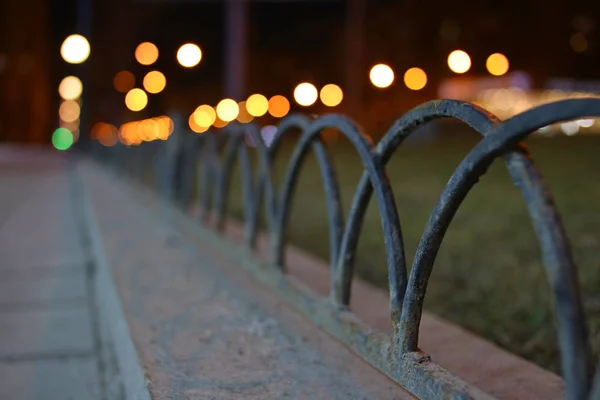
x=488, y=276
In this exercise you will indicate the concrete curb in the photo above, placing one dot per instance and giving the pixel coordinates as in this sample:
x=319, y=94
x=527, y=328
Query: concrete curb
x=110, y=310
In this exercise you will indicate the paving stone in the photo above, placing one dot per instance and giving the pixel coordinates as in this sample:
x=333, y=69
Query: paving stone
x=68, y=379
x=43, y=289
x=45, y=331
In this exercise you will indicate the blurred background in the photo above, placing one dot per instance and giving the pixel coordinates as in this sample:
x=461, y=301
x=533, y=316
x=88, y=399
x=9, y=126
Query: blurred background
x=111, y=71
x=510, y=57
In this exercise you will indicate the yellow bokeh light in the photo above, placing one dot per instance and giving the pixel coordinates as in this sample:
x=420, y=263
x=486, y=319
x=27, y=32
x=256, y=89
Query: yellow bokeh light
x=279, y=106
x=69, y=111
x=257, y=105
x=227, y=110
x=244, y=116
x=70, y=88
x=459, y=61
x=75, y=49
x=381, y=75
x=124, y=81
x=136, y=99
x=578, y=42
x=331, y=95
x=415, y=78
x=154, y=82
x=497, y=64
x=305, y=94
x=165, y=127
x=189, y=55
x=204, y=116
x=146, y=53
x=194, y=126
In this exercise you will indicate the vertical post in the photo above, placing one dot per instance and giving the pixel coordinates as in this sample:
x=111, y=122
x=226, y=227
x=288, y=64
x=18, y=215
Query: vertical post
x=355, y=22
x=84, y=28
x=235, y=54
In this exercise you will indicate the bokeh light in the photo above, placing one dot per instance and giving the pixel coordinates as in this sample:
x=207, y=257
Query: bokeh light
x=69, y=111
x=72, y=126
x=279, y=106
x=257, y=105
x=189, y=55
x=497, y=64
x=227, y=110
x=219, y=123
x=124, y=81
x=154, y=82
x=75, y=49
x=381, y=75
x=194, y=126
x=459, y=61
x=331, y=95
x=415, y=78
x=70, y=88
x=146, y=53
x=244, y=116
x=578, y=42
x=204, y=116
x=147, y=130
x=105, y=133
x=305, y=94
x=136, y=99
x=62, y=139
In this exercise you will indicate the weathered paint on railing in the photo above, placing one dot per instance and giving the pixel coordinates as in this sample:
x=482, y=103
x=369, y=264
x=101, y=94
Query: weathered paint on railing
x=398, y=356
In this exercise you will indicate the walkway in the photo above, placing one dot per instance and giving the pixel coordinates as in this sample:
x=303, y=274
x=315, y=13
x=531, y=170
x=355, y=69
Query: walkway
x=50, y=347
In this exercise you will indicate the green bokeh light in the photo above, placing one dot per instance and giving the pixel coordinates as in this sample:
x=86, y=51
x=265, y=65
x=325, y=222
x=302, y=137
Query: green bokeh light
x=62, y=139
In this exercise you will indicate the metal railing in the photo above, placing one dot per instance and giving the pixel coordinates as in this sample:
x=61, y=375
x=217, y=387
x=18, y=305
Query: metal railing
x=398, y=356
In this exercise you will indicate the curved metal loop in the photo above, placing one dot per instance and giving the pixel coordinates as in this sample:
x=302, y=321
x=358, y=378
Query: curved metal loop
x=561, y=270
x=330, y=183
x=209, y=171
x=477, y=118
x=384, y=195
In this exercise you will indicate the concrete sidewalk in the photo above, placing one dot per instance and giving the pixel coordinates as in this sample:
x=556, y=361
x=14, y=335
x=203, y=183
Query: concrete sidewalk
x=51, y=344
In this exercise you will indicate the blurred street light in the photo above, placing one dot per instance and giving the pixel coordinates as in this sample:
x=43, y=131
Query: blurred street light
x=70, y=88
x=459, y=61
x=497, y=64
x=62, y=139
x=279, y=106
x=244, y=116
x=227, y=110
x=136, y=99
x=146, y=53
x=305, y=94
x=331, y=95
x=381, y=75
x=189, y=55
x=204, y=116
x=257, y=105
x=69, y=111
x=415, y=78
x=219, y=123
x=194, y=126
x=154, y=82
x=75, y=49
x=124, y=81
x=578, y=42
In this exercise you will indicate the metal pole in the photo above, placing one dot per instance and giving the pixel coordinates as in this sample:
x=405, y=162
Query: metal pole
x=235, y=54
x=355, y=21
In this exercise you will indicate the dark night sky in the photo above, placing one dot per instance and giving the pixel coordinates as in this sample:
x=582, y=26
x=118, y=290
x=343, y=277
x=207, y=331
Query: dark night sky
x=293, y=41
